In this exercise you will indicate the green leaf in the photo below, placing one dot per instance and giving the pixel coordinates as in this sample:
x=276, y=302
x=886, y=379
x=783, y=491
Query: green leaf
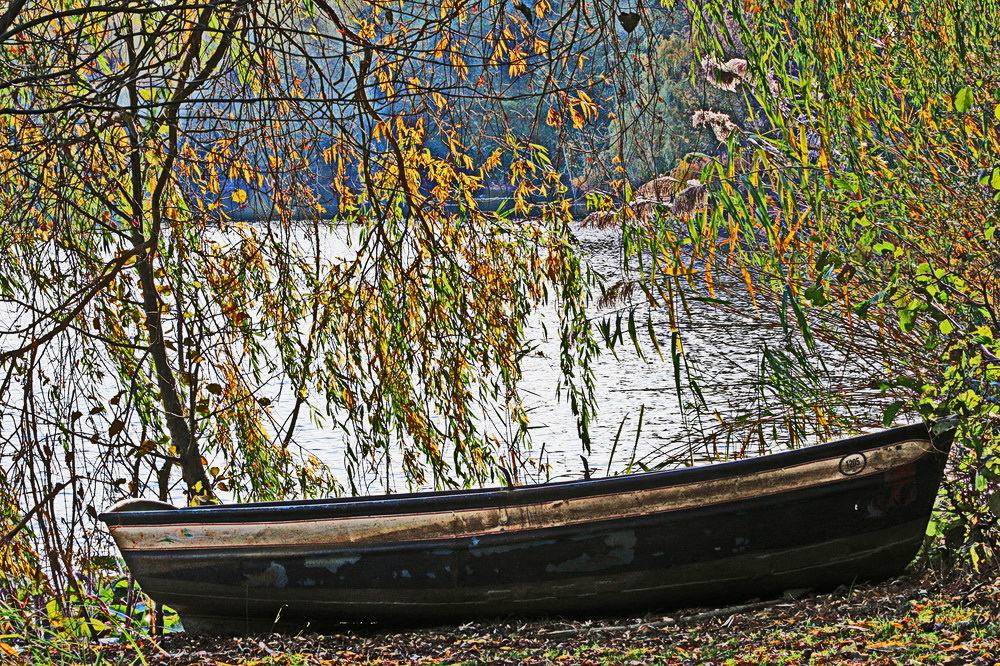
x=890, y=413
x=849, y=183
x=816, y=294
x=995, y=503
x=652, y=336
x=633, y=333
x=800, y=319
x=963, y=99
x=907, y=318
x=995, y=179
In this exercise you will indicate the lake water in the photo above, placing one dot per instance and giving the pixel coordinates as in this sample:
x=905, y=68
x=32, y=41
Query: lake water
x=642, y=421
x=639, y=406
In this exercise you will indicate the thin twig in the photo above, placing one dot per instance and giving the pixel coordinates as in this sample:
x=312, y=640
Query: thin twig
x=12, y=532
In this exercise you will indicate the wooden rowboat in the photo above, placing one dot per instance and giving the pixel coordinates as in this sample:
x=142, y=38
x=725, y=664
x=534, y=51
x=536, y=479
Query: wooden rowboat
x=816, y=517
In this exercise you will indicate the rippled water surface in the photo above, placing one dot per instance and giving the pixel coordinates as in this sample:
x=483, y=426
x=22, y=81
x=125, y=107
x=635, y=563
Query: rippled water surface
x=642, y=419
x=639, y=406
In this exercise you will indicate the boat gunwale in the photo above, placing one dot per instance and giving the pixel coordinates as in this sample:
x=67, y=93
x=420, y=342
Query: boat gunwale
x=517, y=495
x=508, y=537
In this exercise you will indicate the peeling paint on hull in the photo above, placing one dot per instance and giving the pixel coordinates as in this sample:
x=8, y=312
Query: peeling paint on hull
x=815, y=517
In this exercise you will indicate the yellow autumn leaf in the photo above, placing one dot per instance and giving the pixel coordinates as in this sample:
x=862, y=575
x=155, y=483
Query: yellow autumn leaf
x=239, y=196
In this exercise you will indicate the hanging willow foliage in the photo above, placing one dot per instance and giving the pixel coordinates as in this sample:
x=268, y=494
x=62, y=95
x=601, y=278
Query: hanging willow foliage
x=214, y=209
x=856, y=208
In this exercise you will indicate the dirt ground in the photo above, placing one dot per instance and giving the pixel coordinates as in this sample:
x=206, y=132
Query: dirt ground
x=903, y=621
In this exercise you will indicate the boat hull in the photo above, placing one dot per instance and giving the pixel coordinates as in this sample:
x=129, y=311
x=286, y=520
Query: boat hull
x=812, y=518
